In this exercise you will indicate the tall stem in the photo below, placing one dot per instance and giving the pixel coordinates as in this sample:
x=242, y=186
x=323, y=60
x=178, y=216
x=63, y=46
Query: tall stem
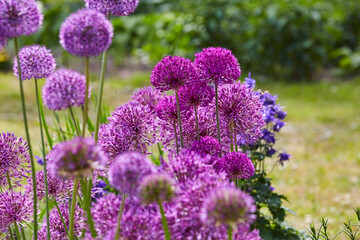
x=23, y=233
x=117, y=234
x=17, y=232
x=74, y=120
x=197, y=124
x=217, y=113
x=179, y=118
x=230, y=233
x=100, y=95
x=231, y=136
x=86, y=105
x=87, y=204
x=9, y=181
x=44, y=165
x=28, y=139
x=10, y=233
x=72, y=209
x=61, y=216
x=235, y=143
x=176, y=138
x=164, y=222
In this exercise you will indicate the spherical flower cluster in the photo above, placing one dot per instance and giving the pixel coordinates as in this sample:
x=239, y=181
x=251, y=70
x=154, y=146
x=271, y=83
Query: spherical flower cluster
x=229, y=206
x=15, y=207
x=113, y=7
x=172, y=72
x=166, y=109
x=86, y=33
x=157, y=187
x=76, y=157
x=147, y=96
x=240, y=106
x=236, y=165
x=128, y=170
x=35, y=62
x=196, y=95
x=217, y=65
x=207, y=146
x=63, y=89
x=57, y=229
x=19, y=17
x=14, y=159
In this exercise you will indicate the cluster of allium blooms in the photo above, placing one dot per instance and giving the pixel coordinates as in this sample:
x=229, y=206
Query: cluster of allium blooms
x=236, y=165
x=57, y=229
x=35, y=61
x=76, y=157
x=113, y=7
x=14, y=159
x=217, y=65
x=19, y=17
x=238, y=105
x=207, y=146
x=15, y=208
x=147, y=96
x=63, y=89
x=86, y=33
x=196, y=95
x=172, y=72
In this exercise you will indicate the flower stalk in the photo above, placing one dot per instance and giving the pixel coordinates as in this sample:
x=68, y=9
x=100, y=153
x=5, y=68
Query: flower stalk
x=179, y=118
x=86, y=105
x=117, y=234
x=164, y=222
x=72, y=209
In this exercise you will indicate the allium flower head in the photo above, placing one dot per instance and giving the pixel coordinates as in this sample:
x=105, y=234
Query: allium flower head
x=172, y=72
x=76, y=157
x=57, y=230
x=15, y=207
x=148, y=96
x=239, y=104
x=207, y=146
x=229, y=206
x=36, y=62
x=113, y=7
x=19, y=17
x=237, y=165
x=157, y=187
x=217, y=65
x=14, y=159
x=86, y=33
x=196, y=95
x=63, y=89
x=166, y=109
x=128, y=170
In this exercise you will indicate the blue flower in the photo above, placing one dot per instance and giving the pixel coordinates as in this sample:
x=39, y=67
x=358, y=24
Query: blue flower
x=268, y=136
x=268, y=99
x=269, y=115
x=270, y=151
x=39, y=160
x=284, y=157
x=278, y=125
x=249, y=82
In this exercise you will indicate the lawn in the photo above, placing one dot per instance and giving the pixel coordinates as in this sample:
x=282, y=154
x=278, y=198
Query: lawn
x=322, y=135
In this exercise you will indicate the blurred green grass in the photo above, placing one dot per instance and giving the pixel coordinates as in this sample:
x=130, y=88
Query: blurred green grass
x=322, y=135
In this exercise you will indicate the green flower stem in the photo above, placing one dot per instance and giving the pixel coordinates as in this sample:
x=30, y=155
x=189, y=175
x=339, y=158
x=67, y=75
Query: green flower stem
x=117, y=234
x=179, y=118
x=47, y=133
x=230, y=233
x=176, y=138
x=18, y=236
x=87, y=203
x=197, y=124
x=60, y=129
x=164, y=222
x=61, y=216
x=9, y=181
x=11, y=233
x=28, y=140
x=217, y=113
x=86, y=105
x=74, y=120
x=44, y=165
x=231, y=136
x=23, y=233
x=72, y=209
x=160, y=151
x=236, y=146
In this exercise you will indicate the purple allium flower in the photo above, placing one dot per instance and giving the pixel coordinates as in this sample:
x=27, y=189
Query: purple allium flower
x=128, y=170
x=147, y=96
x=278, y=125
x=229, y=206
x=156, y=187
x=57, y=229
x=217, y=65
x=14, y=159
x=172, y=72
x=113, y=7
x=207, y=146
x=268, y=136
x=249, y=82
x=63, y=89
x=237, y=165
x=270, y=151
x=284, y=157
x=197, y=95
x=76, y=157
x=166, y=109
x=36, y=62
x=239, y=105
x=58, y=188
x=86, y=33
x=15, y=207
x=20, y=17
